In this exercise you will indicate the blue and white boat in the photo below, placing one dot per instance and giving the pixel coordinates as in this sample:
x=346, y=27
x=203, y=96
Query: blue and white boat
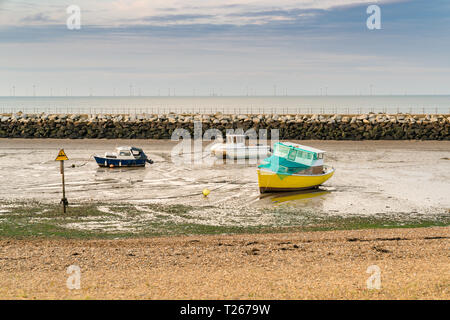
x=123, y=157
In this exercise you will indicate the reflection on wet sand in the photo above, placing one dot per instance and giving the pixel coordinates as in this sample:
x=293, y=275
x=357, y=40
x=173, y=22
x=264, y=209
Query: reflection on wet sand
x=299, y=195
x=103, y=170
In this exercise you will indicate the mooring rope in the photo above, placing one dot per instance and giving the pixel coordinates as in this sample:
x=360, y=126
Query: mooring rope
x=82, y=165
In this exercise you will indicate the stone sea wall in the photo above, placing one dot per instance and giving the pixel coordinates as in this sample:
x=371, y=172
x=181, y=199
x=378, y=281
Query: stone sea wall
x=293, y=126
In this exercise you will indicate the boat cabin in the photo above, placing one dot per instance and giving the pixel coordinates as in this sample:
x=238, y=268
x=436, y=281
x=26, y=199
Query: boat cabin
x=126, y=153
x=301, y=154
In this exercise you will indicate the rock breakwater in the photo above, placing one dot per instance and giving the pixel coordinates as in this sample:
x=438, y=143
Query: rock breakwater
x=291, y=126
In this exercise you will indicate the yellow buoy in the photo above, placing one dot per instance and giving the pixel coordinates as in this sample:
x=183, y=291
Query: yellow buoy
x=206, y=192
x=111, y=166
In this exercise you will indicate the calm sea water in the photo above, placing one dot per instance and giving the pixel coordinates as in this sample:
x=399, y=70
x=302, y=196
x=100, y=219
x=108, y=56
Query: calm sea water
x=253, y=104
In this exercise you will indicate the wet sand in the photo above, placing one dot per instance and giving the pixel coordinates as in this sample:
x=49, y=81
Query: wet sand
x=372, y=177
x=414, y=264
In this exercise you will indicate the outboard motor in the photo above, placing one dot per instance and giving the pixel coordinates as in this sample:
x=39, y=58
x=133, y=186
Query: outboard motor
x=143, y=155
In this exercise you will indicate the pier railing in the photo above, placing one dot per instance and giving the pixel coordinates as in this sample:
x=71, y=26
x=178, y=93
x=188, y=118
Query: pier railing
x=164, y=109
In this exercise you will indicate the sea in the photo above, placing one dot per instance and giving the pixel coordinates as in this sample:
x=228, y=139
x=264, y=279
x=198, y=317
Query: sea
x=414, y=104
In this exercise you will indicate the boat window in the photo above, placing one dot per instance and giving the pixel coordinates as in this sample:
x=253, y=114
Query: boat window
x=125, y=153
x=136, y=153
x=292, y=154
x=304, y=155
x=281, y=151
x=320, y=155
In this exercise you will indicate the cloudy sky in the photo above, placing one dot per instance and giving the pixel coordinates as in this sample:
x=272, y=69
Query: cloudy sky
x=230, y=47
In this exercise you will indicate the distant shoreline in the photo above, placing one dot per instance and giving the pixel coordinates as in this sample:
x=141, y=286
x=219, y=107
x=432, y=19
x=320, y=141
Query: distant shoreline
x=251, y=104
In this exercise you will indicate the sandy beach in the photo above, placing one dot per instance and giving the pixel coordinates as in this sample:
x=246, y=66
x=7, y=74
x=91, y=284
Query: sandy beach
x=413, y=264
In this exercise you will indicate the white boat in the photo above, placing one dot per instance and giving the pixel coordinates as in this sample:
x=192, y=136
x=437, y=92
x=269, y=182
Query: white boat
x=236, y=148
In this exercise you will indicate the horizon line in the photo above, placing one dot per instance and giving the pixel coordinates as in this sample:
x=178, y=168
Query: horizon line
x=232, y=96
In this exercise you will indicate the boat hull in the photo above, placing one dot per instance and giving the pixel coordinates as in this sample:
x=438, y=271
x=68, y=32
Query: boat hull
x=112, y=162
x=269, y=181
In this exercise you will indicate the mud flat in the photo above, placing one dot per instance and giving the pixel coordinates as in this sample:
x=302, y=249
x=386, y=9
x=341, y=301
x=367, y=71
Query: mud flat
x=414, y=264
x=390, y=183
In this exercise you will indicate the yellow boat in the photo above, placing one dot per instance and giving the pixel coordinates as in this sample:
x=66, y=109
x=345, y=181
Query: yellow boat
x=293, y=167
x=275, y=182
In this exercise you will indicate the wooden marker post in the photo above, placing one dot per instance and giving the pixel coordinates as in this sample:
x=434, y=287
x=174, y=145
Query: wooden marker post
x=61, y=158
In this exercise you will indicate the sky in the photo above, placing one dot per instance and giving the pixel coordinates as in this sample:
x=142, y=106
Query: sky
x=235, y=47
